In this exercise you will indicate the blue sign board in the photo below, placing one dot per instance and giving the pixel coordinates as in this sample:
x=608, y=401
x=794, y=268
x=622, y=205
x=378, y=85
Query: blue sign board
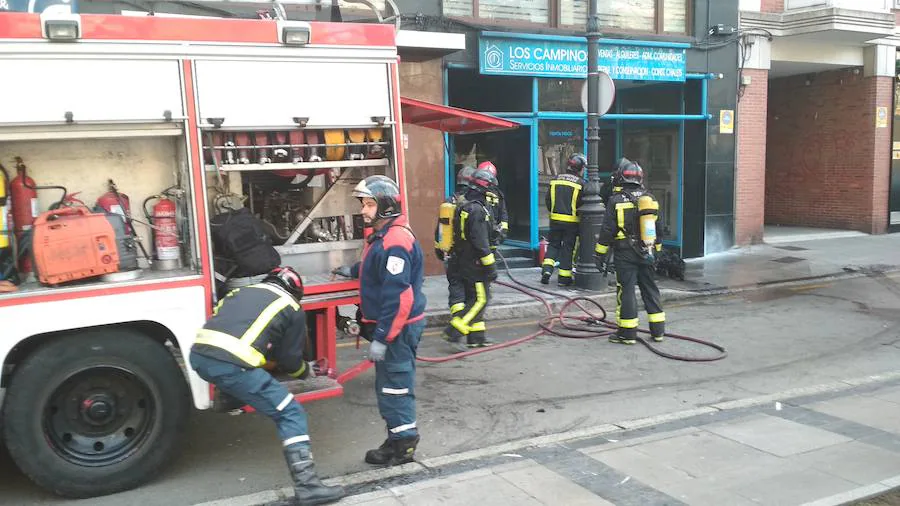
x=567, y=57
x=38, y=6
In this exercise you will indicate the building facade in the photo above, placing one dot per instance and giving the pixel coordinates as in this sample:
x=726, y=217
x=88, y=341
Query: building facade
x=815, y=117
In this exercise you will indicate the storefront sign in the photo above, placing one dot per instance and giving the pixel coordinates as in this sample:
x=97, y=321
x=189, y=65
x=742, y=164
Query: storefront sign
x=556, y=57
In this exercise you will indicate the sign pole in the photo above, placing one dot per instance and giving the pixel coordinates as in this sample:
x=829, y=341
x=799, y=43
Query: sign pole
x=587, y=276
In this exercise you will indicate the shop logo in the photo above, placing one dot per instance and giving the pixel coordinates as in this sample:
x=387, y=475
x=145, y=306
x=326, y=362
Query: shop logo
x=493, y=58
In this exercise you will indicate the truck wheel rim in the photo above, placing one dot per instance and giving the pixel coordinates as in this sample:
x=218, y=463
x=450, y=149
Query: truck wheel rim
x=99, y=416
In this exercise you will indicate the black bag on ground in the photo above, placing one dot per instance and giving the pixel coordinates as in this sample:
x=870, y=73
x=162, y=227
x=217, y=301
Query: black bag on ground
x=241, y=243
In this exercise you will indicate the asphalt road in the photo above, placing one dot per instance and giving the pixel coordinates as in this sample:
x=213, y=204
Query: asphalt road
x=777, y=338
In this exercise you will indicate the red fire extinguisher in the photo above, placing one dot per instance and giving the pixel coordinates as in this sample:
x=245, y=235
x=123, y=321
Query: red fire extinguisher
x=115, y=202
x=164, y=217
x=24, y=207
x=542, y=250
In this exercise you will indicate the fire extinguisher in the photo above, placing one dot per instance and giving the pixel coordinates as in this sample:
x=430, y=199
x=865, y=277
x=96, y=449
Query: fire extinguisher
x=114, y=202
x=164, y=218
x=542, y=250
x=25, y=209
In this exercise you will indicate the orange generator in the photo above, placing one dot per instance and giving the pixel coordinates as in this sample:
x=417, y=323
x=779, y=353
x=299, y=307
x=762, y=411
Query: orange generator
x=73, y=243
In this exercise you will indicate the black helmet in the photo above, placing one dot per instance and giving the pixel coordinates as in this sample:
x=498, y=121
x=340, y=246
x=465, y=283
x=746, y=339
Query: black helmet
x=385, y=192
x=483, y=181
x=288, y=279
x=629, y=172
x=576, y=163
x=464, y=176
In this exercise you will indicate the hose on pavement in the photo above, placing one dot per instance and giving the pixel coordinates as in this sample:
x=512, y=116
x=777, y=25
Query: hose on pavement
x=587, y=324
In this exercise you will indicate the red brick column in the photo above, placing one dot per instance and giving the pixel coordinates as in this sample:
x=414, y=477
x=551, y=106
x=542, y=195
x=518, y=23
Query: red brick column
x=750, y=177
x=772, y=6
x=827, y=163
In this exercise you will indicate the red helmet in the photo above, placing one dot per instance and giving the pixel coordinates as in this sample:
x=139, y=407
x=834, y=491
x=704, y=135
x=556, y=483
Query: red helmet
x=288, y=279
x=488, y=166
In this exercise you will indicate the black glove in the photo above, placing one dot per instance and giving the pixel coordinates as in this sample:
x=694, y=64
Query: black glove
x=439, y=253
x=344, y=271
x=600, y=260
x=490, y=272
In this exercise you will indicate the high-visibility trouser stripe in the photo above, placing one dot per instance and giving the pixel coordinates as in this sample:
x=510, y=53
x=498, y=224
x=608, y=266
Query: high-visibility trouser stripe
x=563, y=273
x=232, y=345
x=455, y=308
x=568, y=218
x=462, y=323
x=488, y=260
x=395, y=391
x=620, y=217
x=265, y=317
x=549, y=261
x=601, y=249
x=295, y=440
x=405, y=427
x=287, y=400
x=299, y=372
x=478, y=327
x=504, y=225
x=629, y=323
x=656, y=317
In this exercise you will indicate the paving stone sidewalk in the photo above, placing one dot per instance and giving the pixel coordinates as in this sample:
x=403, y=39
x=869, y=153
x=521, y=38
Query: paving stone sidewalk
x=823, y=449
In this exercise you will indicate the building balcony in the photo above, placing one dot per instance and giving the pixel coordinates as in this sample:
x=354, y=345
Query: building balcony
x=848, y=22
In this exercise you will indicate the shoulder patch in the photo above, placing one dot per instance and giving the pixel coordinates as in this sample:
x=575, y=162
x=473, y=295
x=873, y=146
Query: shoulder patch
x=395, y=265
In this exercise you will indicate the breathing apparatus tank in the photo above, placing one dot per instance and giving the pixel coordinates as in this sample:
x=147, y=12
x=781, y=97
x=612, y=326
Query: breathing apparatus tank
x=648, y=210
x=445, y=227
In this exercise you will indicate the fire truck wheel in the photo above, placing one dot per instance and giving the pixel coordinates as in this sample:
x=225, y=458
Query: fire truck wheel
x=95, y=413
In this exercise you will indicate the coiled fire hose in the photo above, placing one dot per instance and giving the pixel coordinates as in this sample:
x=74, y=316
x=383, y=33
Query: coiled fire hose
x=588, y=325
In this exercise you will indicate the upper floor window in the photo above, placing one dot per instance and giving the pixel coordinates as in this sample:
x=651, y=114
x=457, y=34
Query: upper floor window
x=654, y=16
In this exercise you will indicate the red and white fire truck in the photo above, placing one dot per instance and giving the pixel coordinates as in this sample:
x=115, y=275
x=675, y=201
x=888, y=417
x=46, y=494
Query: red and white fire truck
x=172, y=123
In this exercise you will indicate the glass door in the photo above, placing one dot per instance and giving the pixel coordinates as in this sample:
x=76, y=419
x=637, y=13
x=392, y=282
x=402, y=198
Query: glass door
x=557, y=140
x=656, y=149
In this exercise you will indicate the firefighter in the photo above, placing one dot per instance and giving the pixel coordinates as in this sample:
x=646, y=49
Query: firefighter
x=496, y=202
x=393, y=314
x=611, y=186
x=563, y=200
x=250, y=328
x=457, y=293
x=630, y=226
x=477, y=266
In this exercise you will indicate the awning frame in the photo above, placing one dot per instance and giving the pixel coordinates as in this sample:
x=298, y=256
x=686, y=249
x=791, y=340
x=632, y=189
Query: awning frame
x=451, y=120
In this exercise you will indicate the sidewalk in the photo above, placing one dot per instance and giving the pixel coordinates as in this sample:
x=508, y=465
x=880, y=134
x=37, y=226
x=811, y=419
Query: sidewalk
x=825, y=445
x=738, y=269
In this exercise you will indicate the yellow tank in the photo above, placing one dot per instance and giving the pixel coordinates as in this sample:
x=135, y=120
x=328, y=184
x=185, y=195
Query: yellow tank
x=445, y=227
x=648, y=209
x=5, y=225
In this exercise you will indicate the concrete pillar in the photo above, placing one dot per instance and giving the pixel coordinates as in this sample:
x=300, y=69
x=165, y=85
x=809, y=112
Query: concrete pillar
x=750, y=173
x=880, y=65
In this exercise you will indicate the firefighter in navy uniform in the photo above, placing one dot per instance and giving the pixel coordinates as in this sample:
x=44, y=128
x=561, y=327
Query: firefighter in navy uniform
x=563, y=200
x=630, y=226
x=390, y=275
x=472, y=246
x=250, y=328
x=457, y=292
x=496, y=202
x=610, y=187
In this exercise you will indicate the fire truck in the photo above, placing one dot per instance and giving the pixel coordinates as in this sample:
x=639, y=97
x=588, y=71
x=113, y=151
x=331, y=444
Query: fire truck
x=175, y=125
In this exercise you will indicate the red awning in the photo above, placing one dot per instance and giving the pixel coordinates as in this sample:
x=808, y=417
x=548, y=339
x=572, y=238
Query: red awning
x=450, y=119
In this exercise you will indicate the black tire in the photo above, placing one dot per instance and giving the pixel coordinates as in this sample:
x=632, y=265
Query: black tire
x=95, y=413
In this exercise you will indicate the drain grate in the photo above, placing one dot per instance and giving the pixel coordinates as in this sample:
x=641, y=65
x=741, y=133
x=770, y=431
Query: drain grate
x=788, y=260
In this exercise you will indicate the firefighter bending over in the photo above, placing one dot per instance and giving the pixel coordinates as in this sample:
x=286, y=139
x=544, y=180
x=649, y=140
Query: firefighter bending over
x=472, y=227
x=393, y=314
x=563, y=200
x=630, y=226
x=251, y=327
x=443, y=241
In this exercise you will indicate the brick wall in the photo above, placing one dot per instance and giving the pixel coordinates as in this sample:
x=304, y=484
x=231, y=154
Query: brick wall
x=424, y=158
x=827, y=165
x=750, y=177
x=772, y=6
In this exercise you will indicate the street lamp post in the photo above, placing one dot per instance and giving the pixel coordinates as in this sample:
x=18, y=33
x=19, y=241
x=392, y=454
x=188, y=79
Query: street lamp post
x=587, y=276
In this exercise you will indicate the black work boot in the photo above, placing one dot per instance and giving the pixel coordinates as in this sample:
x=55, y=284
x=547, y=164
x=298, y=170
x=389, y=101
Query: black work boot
x=381, y=455
x=565, y=280
x=393, y=452
x=308, y=490
x=545, y=278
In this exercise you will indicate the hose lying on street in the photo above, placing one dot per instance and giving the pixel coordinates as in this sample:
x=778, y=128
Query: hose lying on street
x=587, y=325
